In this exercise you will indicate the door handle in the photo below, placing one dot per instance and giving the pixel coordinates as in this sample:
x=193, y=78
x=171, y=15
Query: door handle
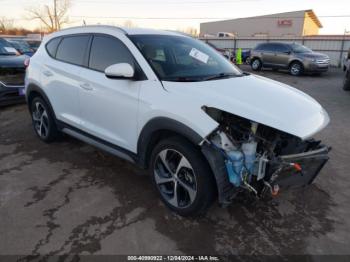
x=86, y=86
x=48, y=73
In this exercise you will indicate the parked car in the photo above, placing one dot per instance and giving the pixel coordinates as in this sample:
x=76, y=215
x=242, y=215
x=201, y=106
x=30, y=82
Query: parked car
x=346, y=84
x=294, y=57
x=12, y=71
x=224, y=52
x=21, y=46
x=33, y=44
x=246, y=56
x=173, y=105
x=224, y=34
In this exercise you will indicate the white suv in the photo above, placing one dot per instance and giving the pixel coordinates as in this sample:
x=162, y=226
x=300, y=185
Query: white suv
x=174, y=105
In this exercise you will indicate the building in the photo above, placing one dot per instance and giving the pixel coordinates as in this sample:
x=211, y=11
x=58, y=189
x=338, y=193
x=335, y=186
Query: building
x=298, y=23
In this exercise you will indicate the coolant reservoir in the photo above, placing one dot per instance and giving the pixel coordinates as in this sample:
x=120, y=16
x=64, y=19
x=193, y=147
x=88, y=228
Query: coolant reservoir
x=234, y=166
x=249, y=150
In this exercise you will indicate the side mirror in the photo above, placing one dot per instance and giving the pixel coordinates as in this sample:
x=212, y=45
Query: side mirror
x=121, y=71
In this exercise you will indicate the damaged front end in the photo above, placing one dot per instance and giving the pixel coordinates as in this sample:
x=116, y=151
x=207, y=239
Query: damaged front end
x=246, y=156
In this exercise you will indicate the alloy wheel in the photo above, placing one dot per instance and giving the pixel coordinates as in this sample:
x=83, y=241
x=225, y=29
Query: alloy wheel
x=256, y=64
x=295, y=69
x=175, y=178
x=41, y=120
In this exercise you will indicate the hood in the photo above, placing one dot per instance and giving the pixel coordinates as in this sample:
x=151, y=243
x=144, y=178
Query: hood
x=315, y=55
x=259, y=99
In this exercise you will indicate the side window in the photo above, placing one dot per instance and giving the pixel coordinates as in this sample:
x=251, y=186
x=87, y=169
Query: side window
x=51, y=46
x=261, y=47
x=281, y=48
x=72, y=49
x=106, y=51
x=270, y=47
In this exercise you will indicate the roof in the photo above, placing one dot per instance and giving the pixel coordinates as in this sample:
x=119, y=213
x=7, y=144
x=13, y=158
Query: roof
x=127, y=31
x=313, y=16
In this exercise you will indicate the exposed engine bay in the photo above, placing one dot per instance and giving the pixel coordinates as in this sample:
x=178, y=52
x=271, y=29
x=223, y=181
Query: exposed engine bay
x=259, y=159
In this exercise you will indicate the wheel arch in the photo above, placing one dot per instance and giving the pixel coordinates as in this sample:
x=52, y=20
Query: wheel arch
x=296, y=60
x=33, y=91
x=254, y=58
x=158, y=128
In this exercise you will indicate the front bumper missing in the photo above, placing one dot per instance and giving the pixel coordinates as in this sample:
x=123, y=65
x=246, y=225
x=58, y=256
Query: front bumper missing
x=285, y=175
x=311, y=164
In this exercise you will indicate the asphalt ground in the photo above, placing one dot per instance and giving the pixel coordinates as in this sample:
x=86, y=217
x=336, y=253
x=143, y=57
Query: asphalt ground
x=70, y=198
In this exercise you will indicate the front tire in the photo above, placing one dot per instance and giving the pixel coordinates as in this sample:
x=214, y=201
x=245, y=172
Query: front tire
x=182, y=177
x=296, y=69
x=43, y=121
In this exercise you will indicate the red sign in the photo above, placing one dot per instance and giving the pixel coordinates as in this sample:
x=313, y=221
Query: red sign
x=285, y=22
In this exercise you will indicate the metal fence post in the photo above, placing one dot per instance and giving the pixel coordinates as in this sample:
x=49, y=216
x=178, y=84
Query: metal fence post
x=341, y=51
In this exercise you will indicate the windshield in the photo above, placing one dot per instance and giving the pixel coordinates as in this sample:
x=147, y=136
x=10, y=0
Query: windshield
x=297, y=48
x=21, y=46
x=180, y=58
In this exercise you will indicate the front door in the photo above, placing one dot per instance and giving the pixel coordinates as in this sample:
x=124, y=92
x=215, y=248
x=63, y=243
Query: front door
x=109, y=106
x=282, y=55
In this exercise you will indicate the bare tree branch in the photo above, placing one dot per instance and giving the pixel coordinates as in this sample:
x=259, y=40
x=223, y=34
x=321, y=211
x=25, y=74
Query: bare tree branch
x=52, y=18
x=6, y=24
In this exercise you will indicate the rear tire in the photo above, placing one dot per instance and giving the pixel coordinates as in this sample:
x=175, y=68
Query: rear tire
x=296, y=69
x=182, y=177
x=43, y=121
x=256, y=64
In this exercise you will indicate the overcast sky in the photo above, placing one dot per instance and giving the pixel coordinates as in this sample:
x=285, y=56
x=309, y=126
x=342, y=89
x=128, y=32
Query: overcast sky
x=188, y=10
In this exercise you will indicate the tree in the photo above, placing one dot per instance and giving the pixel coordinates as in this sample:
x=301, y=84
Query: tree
x=5, y=24
x=129, y=24
x=53, y=16
x=191, y=31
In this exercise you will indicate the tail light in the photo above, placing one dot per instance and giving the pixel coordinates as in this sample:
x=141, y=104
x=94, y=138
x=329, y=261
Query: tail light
x=26, y=62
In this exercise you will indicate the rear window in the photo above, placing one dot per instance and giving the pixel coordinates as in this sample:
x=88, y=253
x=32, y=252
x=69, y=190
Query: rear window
x=72, y=49
x=51, y=46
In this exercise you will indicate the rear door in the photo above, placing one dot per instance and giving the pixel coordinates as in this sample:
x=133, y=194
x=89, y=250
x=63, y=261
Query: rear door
x=60, y=75
x=109, y=106
x=268, y=54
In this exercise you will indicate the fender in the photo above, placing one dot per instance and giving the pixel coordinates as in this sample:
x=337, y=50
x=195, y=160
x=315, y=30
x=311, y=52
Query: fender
x=34, y=88
x=148, y=132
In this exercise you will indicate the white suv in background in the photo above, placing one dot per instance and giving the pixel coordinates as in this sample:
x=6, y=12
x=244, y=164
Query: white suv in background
x=174, y=105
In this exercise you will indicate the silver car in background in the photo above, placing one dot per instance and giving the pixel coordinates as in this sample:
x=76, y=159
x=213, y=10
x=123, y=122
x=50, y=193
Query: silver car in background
x=296, y=58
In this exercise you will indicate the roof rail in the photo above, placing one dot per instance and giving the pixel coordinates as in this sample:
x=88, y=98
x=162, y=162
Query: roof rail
x=84, y=26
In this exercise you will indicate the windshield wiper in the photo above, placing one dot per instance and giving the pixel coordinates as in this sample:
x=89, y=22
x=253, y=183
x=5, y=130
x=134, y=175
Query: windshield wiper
x=181, y=79
x=222, y=75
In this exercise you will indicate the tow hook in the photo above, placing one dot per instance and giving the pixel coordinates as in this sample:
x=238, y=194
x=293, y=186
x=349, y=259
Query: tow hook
x=274, y=190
